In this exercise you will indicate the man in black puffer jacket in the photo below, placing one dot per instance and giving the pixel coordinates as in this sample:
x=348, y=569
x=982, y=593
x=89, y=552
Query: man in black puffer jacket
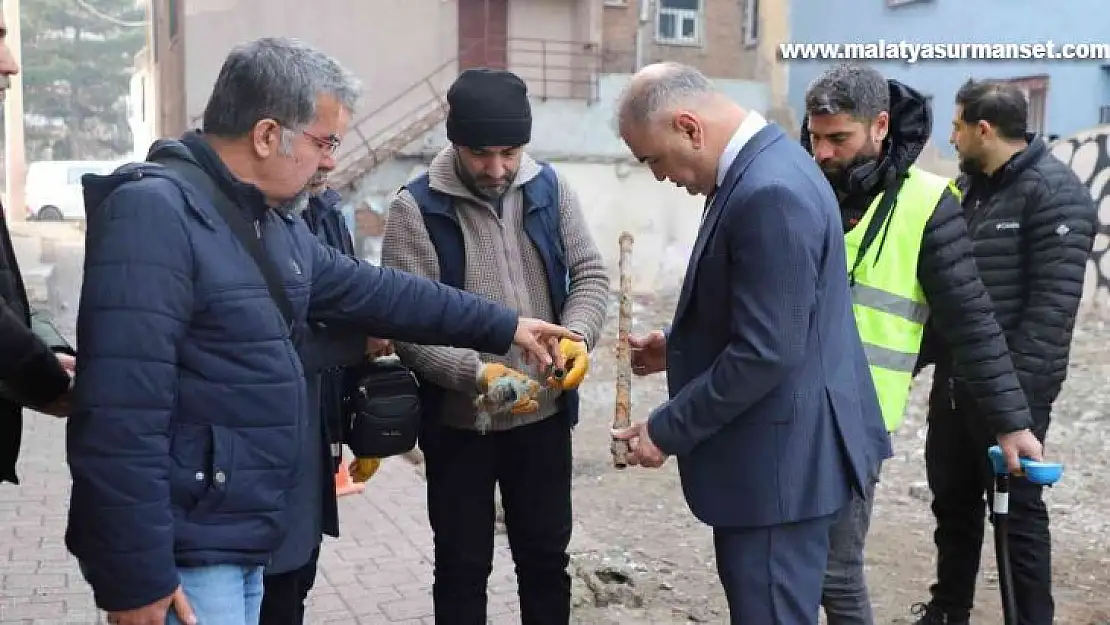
x=911, y=260
x=35, y=361
x=1032, y=222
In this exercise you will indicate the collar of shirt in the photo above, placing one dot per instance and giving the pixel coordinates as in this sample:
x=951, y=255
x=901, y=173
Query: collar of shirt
x=752, y=124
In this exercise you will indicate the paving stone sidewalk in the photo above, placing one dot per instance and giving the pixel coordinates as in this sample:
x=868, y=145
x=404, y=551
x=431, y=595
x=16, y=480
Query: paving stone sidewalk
x=379, y=572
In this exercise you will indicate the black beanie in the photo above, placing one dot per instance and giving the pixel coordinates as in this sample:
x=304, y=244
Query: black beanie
x=488, y=107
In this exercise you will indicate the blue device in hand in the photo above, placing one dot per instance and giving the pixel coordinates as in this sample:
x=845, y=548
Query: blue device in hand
x=1043, y=473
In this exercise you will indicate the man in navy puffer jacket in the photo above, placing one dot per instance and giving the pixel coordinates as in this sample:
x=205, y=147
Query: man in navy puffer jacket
x=191, y=398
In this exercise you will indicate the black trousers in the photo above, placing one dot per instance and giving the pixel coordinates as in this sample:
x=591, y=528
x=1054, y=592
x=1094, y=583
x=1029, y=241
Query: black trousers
x=284, y=594
x=532, y=465
x=961, y=481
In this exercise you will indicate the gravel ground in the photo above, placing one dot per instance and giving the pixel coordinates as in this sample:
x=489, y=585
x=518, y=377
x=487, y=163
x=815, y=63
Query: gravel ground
x=643, y=558
x=650, y=561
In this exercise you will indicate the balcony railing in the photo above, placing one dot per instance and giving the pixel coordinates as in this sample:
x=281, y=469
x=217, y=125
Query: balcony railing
x=552, y=69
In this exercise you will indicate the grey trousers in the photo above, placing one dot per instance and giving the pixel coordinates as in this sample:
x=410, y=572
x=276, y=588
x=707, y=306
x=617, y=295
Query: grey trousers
x=844, y=595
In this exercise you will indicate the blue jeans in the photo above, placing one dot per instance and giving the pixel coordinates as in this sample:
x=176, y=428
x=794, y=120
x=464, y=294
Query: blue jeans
x=845, y=596
x=222, y=595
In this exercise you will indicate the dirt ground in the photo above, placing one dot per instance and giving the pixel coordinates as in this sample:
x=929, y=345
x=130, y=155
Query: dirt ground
x=652, y=561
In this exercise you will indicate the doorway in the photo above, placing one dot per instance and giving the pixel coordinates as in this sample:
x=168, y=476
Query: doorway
x=483, y=34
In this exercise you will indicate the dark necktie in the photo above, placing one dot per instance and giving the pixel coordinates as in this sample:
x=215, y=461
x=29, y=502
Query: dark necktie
x=709, y=200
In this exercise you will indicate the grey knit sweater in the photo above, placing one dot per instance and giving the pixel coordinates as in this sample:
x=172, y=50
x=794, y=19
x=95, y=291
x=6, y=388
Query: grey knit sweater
x=501, y=264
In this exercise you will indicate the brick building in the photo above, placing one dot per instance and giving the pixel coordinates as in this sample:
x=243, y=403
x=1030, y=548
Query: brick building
x=719, y=37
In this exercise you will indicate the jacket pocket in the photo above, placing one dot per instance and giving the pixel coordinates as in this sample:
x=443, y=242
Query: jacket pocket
x=201, y=461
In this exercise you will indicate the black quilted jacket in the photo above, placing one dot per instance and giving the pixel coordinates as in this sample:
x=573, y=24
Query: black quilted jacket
x=959, y=309
x=28, y=367
x=1033, y=225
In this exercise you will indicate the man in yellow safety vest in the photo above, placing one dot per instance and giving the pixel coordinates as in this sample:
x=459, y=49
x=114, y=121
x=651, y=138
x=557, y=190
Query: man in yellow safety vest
x=909, y=261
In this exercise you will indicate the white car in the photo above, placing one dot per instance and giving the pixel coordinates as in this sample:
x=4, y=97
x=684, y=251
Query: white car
x=53, y=188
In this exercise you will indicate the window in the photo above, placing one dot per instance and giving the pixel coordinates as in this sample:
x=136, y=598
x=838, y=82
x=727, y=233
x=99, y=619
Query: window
x=174, y=17
x=678, y=22
x=616, y=3
x=751, y=22
x=901, y=3
x=1035, y=89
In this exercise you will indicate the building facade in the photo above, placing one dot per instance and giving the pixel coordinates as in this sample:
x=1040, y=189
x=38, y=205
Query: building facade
x=1065, y=96
x=562, y=48
x=719, y=37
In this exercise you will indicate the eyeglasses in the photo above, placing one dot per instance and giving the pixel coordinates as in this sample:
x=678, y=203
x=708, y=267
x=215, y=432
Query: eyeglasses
x=328, y=145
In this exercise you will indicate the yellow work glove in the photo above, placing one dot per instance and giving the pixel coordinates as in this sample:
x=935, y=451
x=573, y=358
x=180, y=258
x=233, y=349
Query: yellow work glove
x=498, y=385
x=362, y=469
x=576, y=363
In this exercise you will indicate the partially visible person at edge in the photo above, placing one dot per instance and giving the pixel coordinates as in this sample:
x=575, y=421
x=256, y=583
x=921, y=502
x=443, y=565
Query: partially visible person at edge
x=490, y=219
x=35, y=361
x=772, y=414
x=312, y=510
x=916, y=265
x=192, y=408
x=1032, y=222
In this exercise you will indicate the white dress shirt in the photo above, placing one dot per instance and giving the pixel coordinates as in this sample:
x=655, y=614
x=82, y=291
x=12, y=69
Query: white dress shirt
x=752, y=124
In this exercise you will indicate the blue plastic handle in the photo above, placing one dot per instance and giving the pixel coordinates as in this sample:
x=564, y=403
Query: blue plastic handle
x=1043, y=473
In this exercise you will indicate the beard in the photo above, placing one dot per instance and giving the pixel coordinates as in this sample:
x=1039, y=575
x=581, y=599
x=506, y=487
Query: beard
x=839, y=173
x=971, y=165
x=296, y=204
x=318, y=179
x=484, y=186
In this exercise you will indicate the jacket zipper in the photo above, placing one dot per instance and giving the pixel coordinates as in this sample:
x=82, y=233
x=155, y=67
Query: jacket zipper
x=301, y=399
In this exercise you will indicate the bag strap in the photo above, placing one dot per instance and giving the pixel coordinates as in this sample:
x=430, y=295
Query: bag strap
x=251, y=238
x=882, y=213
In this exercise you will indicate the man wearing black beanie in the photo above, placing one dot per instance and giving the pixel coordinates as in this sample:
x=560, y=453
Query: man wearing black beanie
x=490, y=219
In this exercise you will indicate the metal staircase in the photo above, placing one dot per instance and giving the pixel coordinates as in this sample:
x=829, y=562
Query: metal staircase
x=391, y=127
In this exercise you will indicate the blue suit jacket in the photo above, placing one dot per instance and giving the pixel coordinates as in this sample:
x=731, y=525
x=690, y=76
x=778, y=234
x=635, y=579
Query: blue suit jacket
x=772, y=413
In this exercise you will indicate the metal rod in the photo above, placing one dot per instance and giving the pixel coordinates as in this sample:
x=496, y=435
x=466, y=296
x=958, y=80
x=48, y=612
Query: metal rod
x=1001, y=513
x=622, y=413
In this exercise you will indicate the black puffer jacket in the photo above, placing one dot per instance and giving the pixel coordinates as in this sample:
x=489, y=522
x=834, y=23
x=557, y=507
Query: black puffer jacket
x=1033, y=225
x=960, y=310
x=29, y=370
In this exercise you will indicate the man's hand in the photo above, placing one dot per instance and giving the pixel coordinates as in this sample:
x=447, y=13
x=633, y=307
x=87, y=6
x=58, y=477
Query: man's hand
x=155, y=613
x=533, y=336
x=1018, y=445
x=649, y=353
x=69, y=363
x=377, y=348
x=644, y=452
x=362, y=469
x=60, y=407
x=574, y=361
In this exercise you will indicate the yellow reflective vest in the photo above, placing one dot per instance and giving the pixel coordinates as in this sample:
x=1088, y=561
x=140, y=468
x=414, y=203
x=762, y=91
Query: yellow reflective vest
x=889, y=305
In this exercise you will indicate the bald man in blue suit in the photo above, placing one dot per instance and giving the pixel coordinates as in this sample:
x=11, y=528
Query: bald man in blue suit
x=772, y=412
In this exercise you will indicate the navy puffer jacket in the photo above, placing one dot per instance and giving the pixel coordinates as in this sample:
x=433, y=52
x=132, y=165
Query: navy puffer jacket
x=190, y=391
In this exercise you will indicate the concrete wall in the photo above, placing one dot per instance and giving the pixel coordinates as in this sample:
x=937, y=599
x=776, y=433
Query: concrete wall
x=1077, y=88
x=142, y=105
x=663, y=219
x=378, y=41
x=1088, y=154
x=568, y=130
x=616, y=197
x=551, y=44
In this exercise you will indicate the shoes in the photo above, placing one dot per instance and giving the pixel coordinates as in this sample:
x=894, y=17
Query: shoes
x=931, y=614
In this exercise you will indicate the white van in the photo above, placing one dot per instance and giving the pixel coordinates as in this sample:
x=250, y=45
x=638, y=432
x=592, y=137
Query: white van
x=53, y=188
